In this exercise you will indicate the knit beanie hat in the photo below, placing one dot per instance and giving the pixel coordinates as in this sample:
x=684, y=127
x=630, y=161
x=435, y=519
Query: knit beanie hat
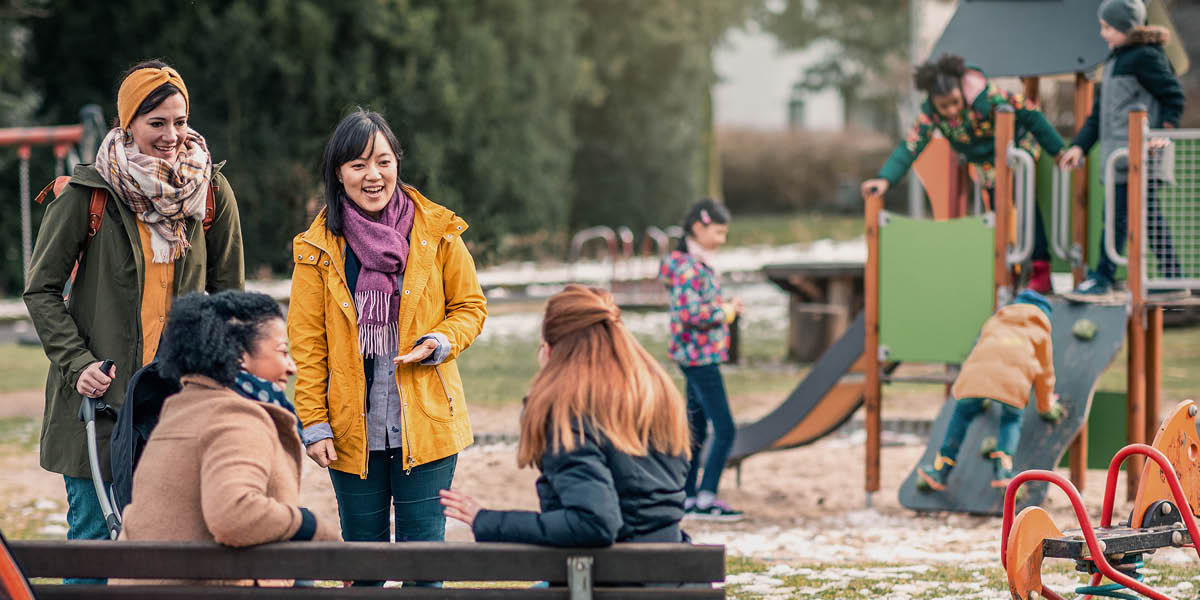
x=1031, y=297
x=1123, y=15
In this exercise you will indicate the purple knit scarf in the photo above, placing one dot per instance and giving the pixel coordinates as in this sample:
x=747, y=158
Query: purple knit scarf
x=382, y=248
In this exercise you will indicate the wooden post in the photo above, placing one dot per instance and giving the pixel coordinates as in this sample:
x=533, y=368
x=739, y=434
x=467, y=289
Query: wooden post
x=1031, y=87
x=1135, y=425
x=1079, y=227
x=872, y=393
x=1154, y=330
x=1079, y=183
x=1002, y=202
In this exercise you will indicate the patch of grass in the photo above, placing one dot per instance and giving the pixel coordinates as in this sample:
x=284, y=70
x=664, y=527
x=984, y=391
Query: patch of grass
x=1181, y=352
x=24, y=367
x=19, y=434
x=795, y=228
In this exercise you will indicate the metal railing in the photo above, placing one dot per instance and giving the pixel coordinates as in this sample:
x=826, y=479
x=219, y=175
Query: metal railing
x=1171, y=209
x=1110, y=203
x=1024, y=190
x=1061, y=243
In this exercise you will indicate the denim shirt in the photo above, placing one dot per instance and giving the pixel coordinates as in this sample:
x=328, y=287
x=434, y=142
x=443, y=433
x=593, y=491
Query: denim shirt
x=385, y=419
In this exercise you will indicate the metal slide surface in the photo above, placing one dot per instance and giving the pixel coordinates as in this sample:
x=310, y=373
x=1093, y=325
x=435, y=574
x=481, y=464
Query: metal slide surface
x=817, y=406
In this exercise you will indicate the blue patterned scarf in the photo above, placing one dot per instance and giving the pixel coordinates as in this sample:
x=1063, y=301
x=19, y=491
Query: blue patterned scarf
x=261, y=390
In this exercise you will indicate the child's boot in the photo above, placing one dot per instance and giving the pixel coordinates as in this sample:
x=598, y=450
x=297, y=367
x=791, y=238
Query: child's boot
x=1039, y=277
x=934, y=477
x=1002, y=469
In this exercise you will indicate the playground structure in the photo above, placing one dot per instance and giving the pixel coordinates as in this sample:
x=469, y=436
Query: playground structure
x=632, y=279
x=71, y=144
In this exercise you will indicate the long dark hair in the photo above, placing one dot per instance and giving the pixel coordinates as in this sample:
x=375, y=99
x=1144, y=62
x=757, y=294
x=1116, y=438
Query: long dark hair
x=154, y=98
x=941, y=77
x=705, y=210
x=349, y=140
x=208, y=334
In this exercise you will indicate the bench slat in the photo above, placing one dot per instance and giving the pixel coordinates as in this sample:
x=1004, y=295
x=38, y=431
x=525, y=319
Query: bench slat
x=435, y=561
x=77, y=592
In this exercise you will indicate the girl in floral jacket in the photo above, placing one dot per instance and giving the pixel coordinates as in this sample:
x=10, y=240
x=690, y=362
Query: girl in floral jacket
x=700, y=319
x=961, y=105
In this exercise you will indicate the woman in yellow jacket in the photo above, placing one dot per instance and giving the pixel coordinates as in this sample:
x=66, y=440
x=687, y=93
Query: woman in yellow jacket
x=384, y=299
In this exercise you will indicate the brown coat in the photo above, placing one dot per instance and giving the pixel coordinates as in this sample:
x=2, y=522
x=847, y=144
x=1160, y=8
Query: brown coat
x=1014, y=351
x=219, y=467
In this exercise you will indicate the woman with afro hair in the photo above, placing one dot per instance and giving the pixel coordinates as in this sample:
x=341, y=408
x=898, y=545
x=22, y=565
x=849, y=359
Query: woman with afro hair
x=961, y=103
x=223, y=463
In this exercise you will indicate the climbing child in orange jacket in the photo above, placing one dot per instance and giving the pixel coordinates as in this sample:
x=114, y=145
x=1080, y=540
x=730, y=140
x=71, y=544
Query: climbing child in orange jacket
x=1013, y=352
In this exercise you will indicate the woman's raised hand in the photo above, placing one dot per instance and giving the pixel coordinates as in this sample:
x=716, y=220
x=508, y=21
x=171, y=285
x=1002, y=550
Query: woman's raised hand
x=460, y=506
x=874, y=187
x=322, y=452
x=419, y=353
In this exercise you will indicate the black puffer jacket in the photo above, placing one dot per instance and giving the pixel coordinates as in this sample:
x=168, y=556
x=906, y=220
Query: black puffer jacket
x=594, y=495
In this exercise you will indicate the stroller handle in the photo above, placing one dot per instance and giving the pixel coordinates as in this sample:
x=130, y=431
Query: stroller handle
x=87, y=413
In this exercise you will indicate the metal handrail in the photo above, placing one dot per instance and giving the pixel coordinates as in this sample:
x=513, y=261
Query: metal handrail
x=1023, y=193
x=1059, y=191
x=1110, y=193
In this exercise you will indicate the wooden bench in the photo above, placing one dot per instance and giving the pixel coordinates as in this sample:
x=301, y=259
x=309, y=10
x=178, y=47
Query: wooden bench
x=583, y=572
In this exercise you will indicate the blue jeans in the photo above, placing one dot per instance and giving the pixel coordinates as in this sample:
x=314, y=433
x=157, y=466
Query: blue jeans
x=363, y=503
x=1158, y=232
x=706, y=402
x=85, y=519
x=965, y=411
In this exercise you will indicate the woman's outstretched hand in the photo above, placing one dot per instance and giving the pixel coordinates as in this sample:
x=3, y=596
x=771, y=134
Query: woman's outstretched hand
x=321, y=452
x=874, y=187
x=460, y=506
x=418, y=353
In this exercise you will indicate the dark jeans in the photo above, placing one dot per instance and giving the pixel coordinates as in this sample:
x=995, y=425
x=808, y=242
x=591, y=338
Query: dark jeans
x=706, y=402
x=363, y=503
x=85, y=519
x=1157, y=230
x=965, y=411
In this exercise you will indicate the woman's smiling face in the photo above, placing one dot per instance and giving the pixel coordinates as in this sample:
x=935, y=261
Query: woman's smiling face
x=370, y=179
x=160, y=132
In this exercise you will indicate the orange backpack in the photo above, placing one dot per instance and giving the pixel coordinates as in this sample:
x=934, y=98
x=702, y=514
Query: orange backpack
x=96, y=214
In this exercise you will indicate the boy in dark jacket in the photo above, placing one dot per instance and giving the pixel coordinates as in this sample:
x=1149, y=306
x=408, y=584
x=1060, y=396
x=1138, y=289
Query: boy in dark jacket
x=1137, y=72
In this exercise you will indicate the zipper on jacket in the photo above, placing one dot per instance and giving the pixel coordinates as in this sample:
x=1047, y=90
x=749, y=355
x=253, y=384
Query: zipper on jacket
x=409, y=461
x=449, y=398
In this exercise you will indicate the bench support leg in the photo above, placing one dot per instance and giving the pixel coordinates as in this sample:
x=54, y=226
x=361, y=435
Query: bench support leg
x=579, y=577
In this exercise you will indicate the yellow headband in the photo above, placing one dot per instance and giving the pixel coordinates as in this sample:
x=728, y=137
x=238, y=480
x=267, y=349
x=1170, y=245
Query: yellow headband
x=139, y=84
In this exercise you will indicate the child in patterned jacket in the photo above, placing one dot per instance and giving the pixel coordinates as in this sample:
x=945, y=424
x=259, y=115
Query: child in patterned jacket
x=700, y=319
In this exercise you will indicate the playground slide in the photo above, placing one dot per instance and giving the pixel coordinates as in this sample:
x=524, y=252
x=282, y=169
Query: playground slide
x=1078, y=365
x=824, y=399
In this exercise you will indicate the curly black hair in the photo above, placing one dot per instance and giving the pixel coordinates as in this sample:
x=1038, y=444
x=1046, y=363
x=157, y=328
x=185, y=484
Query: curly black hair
x=940, y=77
x=208, y=334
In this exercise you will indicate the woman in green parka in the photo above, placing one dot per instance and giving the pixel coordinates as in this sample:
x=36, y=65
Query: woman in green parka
x=969, y=127
x=151, y=245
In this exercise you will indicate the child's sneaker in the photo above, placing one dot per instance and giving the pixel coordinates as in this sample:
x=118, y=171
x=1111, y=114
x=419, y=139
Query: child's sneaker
x=1002, y=469
x=1093, y=286
x=934, y=477
x=717, y=511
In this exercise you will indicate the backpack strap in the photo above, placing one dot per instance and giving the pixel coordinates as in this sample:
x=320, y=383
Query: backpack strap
x=95, y=206
x=210, y=205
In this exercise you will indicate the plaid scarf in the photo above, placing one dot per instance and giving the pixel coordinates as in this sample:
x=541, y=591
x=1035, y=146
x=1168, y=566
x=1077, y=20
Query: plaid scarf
x=382, y=248
x=163, y=195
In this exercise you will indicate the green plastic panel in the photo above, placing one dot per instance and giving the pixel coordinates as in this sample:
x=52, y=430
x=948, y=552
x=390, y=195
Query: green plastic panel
x=935, y=287
x=1106, y=429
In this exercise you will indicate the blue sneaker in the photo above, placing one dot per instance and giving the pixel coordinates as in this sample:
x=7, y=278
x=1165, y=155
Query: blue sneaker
x=1093, y=286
